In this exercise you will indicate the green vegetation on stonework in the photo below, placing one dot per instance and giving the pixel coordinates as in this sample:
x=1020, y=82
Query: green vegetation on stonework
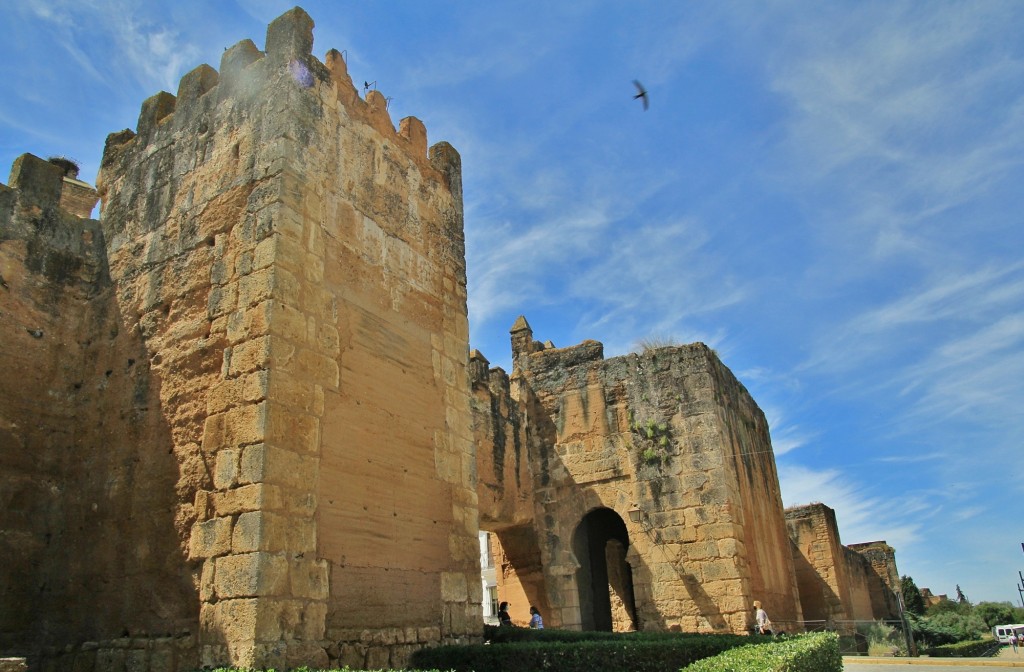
x=815, y=652
x=652, y=438
x=513, y=650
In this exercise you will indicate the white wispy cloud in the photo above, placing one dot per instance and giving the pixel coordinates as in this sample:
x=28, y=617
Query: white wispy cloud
x=861, y=518
x=786, y=436
x=115, y=40
x=941, y=336
x=901, y=118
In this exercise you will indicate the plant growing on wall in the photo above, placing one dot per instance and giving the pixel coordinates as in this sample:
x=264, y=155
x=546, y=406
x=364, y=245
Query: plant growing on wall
x=651, y=438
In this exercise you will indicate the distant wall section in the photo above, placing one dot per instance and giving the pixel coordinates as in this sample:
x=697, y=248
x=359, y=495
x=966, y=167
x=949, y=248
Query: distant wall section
x=836, y=582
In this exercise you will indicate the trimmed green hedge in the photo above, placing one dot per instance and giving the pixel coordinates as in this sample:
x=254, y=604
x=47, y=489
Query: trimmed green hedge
x=816, y=652
x=972, y=649
x=499, y=635
x=591, y=652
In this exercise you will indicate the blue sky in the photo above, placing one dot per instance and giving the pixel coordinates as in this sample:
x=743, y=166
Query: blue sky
x=828, y=194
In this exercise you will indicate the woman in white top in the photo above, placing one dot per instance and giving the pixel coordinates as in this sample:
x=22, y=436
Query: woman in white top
x=764, y=625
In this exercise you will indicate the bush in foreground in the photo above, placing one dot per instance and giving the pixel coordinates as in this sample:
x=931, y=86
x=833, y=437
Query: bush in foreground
x=640, y=652
x=816, y=652
x=972, y=649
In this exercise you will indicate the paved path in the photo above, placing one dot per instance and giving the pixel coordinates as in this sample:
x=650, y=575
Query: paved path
x=1006, y=659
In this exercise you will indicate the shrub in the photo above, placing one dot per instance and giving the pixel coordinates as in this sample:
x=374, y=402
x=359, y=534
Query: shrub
x=499, y=635
x=577, y=652
x=655, y=342
x=883, y=639
x=931, y=634
x=815, y=652
x=964, y=626
x=971, y=649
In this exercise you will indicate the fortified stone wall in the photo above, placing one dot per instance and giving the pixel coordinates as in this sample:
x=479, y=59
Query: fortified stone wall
x=836, y=582
x=653, y=476
x=823, y=584
x=882, y=577
x=90, y=491
x=505, y=482
x=248, y=411
x=861, y=605
x=238, y=421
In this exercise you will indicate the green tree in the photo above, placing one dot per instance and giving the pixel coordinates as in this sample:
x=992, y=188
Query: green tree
x=912, y=600
x=962, y=626
x=996, y=613
x=963, y=608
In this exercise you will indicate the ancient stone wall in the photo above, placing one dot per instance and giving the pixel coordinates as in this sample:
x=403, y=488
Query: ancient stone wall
x=505, y=487
x=818, y=554
x=860, y=577
x=836, y=582
x=881, y=576
x=260, y=394
x=505, y=482
x=90, y=490
x=240, y=424
x=652, y=476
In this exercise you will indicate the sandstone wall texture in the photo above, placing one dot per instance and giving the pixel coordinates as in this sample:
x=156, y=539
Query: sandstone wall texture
x=840, y=583
x=240, y=423
x=655, y=497
x=90, y=488
x=239, y=427
x=882, y=577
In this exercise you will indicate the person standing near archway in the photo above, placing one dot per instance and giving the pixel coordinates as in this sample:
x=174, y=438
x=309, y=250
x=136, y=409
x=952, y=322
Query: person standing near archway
x=504, y=620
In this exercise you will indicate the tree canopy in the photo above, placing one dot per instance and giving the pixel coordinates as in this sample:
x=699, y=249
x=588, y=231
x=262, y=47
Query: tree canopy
x=912, y=600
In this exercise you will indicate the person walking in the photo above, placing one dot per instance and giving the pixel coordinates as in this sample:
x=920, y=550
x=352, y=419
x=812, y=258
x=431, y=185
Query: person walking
x=1013, y=641
x=764, y=624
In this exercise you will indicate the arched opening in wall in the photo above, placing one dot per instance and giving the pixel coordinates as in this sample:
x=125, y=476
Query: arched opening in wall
x=512, y=572
x=604, y=578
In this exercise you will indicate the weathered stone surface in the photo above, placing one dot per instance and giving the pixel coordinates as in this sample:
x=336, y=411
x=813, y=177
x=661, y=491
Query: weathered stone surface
x=239, y=357
x=240, y=409
x=662, y=455
x=839, y=583
x=608, y=438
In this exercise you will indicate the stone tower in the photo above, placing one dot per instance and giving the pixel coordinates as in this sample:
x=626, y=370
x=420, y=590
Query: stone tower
x=266, y=393
x=637, y=492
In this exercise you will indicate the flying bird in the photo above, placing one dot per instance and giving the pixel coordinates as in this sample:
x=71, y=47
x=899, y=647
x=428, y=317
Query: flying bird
x=641, y=94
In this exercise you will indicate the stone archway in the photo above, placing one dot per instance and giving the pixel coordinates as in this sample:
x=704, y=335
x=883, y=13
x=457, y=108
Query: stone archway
x=604, y=578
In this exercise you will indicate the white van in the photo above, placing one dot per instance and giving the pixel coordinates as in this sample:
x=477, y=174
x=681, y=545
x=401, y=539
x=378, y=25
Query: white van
x=1002, y=632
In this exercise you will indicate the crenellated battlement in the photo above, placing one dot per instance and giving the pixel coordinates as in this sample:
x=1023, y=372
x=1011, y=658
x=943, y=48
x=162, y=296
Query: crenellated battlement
x=244, y=73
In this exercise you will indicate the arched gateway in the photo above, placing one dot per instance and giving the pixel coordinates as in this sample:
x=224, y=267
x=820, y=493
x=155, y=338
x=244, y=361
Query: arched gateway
x=604, y=578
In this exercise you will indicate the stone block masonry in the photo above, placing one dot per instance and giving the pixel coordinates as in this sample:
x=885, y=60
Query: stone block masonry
x=276, y=294
x=837, y=582
x=640, y=492
x=240, y=424
x=655, y=500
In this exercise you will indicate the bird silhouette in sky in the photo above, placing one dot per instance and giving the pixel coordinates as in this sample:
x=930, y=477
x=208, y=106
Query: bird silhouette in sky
x=641, y=94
